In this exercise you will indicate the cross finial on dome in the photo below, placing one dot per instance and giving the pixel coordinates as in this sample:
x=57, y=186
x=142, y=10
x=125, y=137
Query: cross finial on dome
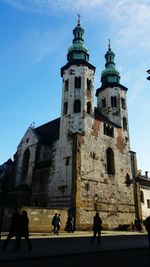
x=109, y=48
x=78, y=21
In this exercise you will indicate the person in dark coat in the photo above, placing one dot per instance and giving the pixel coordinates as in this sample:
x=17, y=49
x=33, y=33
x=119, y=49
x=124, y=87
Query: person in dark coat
x=138, y=224
x=14, y=230
x=24, y=228
x=147, y=227
x=97, y=227
x=70, y=223
x=58, y=223
x=54, y=223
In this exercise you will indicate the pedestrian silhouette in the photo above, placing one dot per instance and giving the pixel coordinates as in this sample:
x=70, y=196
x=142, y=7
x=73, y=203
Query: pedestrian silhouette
x=54, y=223
x=147, y=227
x=14, y=230
x=97, y=227
x=58, y=223
x=138, y=225
x=24, y=228
x=70, y=223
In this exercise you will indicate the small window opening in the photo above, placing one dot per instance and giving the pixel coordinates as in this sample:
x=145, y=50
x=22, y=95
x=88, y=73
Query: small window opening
x=77, y=82
x=113, y=101
x=110, y=161
x=88, y=107
x=65, y=108
x=66, y=85
x=67, y=161
x=104, y=102
x=77, y=106
x=124, y=123
x=123, y=103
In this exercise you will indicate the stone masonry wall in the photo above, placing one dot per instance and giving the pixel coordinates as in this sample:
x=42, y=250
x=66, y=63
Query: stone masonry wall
x=39, y=219
x=114, y=198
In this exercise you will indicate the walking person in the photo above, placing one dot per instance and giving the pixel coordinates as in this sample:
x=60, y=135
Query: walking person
x=147, y=226
x=58, y=223
x=70, y=223
x=138, y=224
x=24, y=228
x=14, y=230
x=54, y=223
x=97, y=227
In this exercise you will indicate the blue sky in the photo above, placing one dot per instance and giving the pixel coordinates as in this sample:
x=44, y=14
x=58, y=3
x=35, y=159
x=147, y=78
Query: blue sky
x=34, y=38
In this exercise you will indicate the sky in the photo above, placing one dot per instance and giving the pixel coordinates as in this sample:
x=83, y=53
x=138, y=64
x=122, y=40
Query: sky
x=34, y=38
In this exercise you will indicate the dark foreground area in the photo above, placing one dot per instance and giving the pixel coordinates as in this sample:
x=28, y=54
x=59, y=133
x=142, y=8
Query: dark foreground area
x=128, y=249
x=122, y=258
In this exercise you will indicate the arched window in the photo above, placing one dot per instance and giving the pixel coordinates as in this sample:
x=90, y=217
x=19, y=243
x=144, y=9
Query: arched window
x=66, y=84
x=77, y=82
x=105, y=128
x=104, y=102
x=124, y=123
x=113, y=101
x=110, y=161
x=65, y=108
x=88, y=107
x=108, y=130
x=77, y=106
x=25, y=165
x=128, y=180
x=112, y=131
x=123, y=105
x=88, y=84
x=142, y=196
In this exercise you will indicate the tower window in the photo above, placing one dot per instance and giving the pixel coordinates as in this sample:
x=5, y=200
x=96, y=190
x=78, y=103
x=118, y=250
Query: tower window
x=77, y=82
x=110, y=161
x=112, y=132
x=87, y=187
x=113, y=101
x=124, y=123
x=123, y=103
x=105, y=128
x=104, y=102
x=88, y=84
x=77, y=106
x=128, y=181
x=142, y=196
x=66, y=84
x=108, y=130
x=25, y=165
x=88, y=107
x=67, y=161
x=65, y=108
x=148, y=203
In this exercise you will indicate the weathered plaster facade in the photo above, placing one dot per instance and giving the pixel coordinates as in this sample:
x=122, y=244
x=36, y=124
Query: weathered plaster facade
x=144, y=192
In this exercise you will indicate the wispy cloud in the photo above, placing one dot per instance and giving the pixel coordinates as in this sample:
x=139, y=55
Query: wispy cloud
x=47, y=6
x=134, y=20
x=130, y=17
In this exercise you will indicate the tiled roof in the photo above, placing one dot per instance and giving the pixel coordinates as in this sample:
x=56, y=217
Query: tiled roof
x=48, y=132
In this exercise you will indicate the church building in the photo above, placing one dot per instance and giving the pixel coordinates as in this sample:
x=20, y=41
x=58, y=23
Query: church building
x=81, y=161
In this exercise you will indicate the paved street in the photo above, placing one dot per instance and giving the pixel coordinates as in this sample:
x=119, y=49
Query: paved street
x=75, y=250
x=122, y=258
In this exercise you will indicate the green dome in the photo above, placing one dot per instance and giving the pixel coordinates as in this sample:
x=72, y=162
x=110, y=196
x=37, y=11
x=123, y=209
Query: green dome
x=77, y=51
x=110, y=74
x=78, y=46
x=110, y=70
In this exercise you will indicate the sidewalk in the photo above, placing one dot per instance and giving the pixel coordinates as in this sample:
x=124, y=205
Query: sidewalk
x=46, y=245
